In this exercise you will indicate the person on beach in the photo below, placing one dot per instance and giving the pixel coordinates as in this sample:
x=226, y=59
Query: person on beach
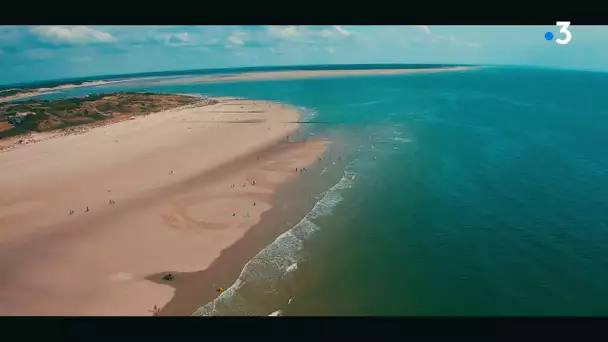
x=71, y=212
x=86, y=210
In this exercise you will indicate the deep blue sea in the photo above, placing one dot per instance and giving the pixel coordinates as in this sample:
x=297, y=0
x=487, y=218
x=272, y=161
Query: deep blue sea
x=480, y=192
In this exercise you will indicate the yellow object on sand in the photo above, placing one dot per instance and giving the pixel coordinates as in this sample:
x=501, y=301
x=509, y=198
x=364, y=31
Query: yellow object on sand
x=220, y=289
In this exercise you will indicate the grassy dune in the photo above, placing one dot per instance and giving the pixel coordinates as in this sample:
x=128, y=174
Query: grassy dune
x=41, y=115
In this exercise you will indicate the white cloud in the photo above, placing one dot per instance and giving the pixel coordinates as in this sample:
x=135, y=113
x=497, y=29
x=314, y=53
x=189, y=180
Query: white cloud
x=326, y=33
x=286, y=32
x=424, y=29
x=72, y=35
x=342, y=31
x=236, y=40
x=39, y=54
x=177, y=38
x=82, y=59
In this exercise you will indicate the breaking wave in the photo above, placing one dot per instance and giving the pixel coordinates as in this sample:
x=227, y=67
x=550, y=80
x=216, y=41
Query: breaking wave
x=264, y=282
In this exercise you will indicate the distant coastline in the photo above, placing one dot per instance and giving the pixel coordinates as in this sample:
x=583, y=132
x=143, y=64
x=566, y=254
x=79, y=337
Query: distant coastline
x=293, y=74
x=17, y=91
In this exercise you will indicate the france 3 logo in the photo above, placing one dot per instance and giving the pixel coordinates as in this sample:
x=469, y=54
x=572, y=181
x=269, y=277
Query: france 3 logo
x=563, y=29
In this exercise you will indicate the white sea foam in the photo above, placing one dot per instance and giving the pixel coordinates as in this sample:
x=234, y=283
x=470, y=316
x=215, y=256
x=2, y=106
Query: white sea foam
x=264, y=272
x=363, y=104
x=292, y=268
x=403, y=140
x=277, y=313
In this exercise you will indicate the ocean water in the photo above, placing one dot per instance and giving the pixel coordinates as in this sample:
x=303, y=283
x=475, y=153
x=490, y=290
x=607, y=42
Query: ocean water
x=480, y=192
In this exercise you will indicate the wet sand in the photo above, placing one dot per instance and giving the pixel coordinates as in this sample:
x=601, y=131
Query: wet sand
x=165, y=193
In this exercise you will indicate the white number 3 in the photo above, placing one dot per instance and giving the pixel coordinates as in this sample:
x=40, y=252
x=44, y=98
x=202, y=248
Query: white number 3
x=564, y=29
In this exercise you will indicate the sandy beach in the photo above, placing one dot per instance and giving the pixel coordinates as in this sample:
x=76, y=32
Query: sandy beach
x=86, y=219
x=274, y=75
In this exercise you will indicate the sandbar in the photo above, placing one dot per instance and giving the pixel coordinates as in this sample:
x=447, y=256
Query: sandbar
x=294, y=74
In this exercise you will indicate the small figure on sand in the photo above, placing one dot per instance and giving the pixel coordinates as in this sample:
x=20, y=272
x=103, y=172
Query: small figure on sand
x=155, y=311
x=233, y=214
x=86, y=210
x=168, y=277
x=171, y=172
x=111, y=202
x=108, y=190
x=254, y=203
x=232, y=186
x=71, y=212
x=253, y=183
x=296, y=169
x=220, y=289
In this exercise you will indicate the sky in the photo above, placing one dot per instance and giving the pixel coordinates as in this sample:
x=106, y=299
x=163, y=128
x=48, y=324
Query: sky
x=32, y=53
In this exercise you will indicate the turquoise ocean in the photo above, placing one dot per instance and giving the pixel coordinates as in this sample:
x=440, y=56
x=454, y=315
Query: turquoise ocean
x=479, y=192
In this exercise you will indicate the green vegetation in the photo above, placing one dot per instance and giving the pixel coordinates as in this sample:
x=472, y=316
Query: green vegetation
x=43, y=115
x=11, y=92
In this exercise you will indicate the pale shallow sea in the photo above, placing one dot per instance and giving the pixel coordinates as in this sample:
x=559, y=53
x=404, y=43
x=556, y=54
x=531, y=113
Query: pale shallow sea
x=480, y=192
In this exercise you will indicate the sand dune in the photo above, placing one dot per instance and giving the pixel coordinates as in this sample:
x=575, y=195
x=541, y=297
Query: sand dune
x=168, y=191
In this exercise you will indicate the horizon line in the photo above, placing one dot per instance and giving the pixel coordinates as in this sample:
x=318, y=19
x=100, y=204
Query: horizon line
x=184, y=72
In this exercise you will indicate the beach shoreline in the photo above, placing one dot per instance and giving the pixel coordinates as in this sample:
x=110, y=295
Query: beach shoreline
x=121, y=204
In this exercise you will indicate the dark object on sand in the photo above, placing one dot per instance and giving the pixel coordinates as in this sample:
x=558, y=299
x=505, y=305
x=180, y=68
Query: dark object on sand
x=155, y=310
x=111, y=202
x=86, y=210
x=233, y=214
x=71, y=212
x=168, y=277
x=220, y=289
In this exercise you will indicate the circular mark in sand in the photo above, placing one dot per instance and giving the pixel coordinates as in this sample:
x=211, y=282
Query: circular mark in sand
x=219, y=210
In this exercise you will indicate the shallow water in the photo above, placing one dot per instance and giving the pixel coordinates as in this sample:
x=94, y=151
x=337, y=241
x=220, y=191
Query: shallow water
x=480, y=192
